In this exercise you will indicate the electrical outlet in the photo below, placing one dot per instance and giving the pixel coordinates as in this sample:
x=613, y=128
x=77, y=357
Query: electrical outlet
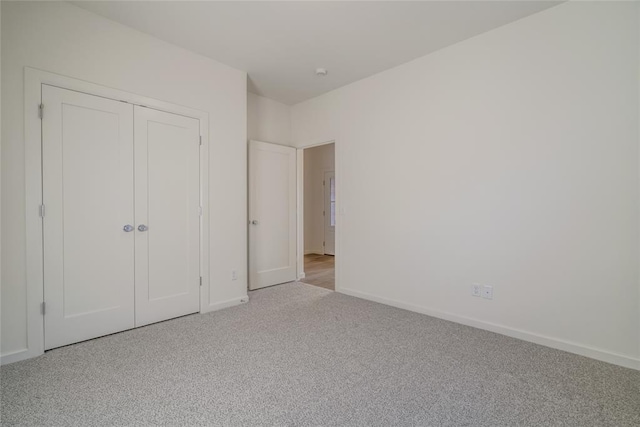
x=476, y=289
x=487, y=292
x=234, y=275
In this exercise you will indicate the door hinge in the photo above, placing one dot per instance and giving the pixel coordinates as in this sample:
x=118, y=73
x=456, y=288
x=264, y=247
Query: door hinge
x=323, y=213
x=41, y=211
x=43, y=308
x=200, y=280
x=323, y=183
x=200, y=139
x=200, y=210
x=40, y=111
x=323, y=244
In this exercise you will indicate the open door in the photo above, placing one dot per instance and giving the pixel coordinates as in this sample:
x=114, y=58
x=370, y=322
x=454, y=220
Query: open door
x=272, y=214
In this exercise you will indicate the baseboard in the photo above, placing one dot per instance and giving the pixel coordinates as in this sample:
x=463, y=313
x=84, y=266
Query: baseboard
x=225, y=304
x=16, y=356
x=571, y=347
x=314, y=251
x=302, y=275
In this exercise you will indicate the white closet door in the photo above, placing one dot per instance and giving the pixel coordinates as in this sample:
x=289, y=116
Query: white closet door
x=167, y=148
x=87, y=148
x=272, y=214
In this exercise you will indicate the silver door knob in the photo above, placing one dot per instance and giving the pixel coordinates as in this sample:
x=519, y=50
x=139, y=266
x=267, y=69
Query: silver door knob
x=142, y=227
x=254, y=222
x=128, y=228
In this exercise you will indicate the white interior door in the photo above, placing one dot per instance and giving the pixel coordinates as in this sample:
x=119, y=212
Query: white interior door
x=329, y=213
x=167, y=202
x=87, y=149
x=272, y=214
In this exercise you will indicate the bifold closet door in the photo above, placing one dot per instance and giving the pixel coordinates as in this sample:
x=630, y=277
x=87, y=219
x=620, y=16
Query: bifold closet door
x=87, y=170
x=167, y=211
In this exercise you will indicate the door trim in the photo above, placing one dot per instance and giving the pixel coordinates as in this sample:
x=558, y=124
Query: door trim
x=33, y=81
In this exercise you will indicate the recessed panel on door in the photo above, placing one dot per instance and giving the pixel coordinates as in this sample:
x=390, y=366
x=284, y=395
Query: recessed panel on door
x=167, y=231
x=87, y=147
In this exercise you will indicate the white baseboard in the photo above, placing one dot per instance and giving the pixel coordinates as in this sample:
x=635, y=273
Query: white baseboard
x=16, y=356
x=225, y=304
x=302, y=275
x=314, y=251
x=571, y=347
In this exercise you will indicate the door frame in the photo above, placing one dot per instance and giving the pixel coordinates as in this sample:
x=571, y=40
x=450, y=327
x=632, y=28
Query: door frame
x=33, y=81
x=340, y=210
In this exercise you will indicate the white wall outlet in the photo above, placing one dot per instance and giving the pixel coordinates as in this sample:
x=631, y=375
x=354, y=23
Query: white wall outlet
x=476, y=289
x=234, y=275
x=487, y=292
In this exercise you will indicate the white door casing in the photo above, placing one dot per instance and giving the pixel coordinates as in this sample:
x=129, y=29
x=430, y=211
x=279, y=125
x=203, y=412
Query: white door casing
x=167, y=211
x=88, y=200
x=272, y=214
x=329, y=184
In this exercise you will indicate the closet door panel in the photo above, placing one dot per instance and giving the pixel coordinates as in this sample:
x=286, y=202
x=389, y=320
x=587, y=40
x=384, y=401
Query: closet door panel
x=88, y=198
x=167, y=150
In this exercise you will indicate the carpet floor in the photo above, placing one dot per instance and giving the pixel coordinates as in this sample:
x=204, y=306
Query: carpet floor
x=298, y=355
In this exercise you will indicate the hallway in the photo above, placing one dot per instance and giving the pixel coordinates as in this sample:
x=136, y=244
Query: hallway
x=320, y=271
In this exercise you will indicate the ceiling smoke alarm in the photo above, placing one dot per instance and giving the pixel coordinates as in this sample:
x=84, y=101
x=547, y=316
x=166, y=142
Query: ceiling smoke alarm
x=321, y=72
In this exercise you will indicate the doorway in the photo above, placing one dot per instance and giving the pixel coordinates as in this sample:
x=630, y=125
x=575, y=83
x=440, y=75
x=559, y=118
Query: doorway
x=319, y=218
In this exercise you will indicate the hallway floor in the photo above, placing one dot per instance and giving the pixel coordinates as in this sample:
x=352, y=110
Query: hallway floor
x=320, y=271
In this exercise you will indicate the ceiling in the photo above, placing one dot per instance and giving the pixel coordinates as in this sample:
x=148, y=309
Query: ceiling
x=280, y=44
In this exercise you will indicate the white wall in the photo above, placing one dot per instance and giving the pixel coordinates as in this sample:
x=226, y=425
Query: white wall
x=317, y=161
x=64, y=39
x=268, y=120
x=509, y=159
x=1, y=138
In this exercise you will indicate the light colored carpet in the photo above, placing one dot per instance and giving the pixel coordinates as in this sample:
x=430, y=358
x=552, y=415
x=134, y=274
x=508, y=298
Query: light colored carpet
x=298, y=355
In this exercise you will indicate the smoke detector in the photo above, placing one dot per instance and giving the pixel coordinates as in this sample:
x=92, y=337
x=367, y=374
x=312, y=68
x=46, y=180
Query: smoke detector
x=321, y=72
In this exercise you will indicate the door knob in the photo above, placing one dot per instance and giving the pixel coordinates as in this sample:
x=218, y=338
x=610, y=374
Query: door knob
x=128, y=228
x=142, y=227
x=254, y=222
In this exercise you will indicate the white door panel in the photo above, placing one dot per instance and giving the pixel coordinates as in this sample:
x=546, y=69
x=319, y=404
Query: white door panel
x=88, y=196
x=272, y=214
x=167, y=198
